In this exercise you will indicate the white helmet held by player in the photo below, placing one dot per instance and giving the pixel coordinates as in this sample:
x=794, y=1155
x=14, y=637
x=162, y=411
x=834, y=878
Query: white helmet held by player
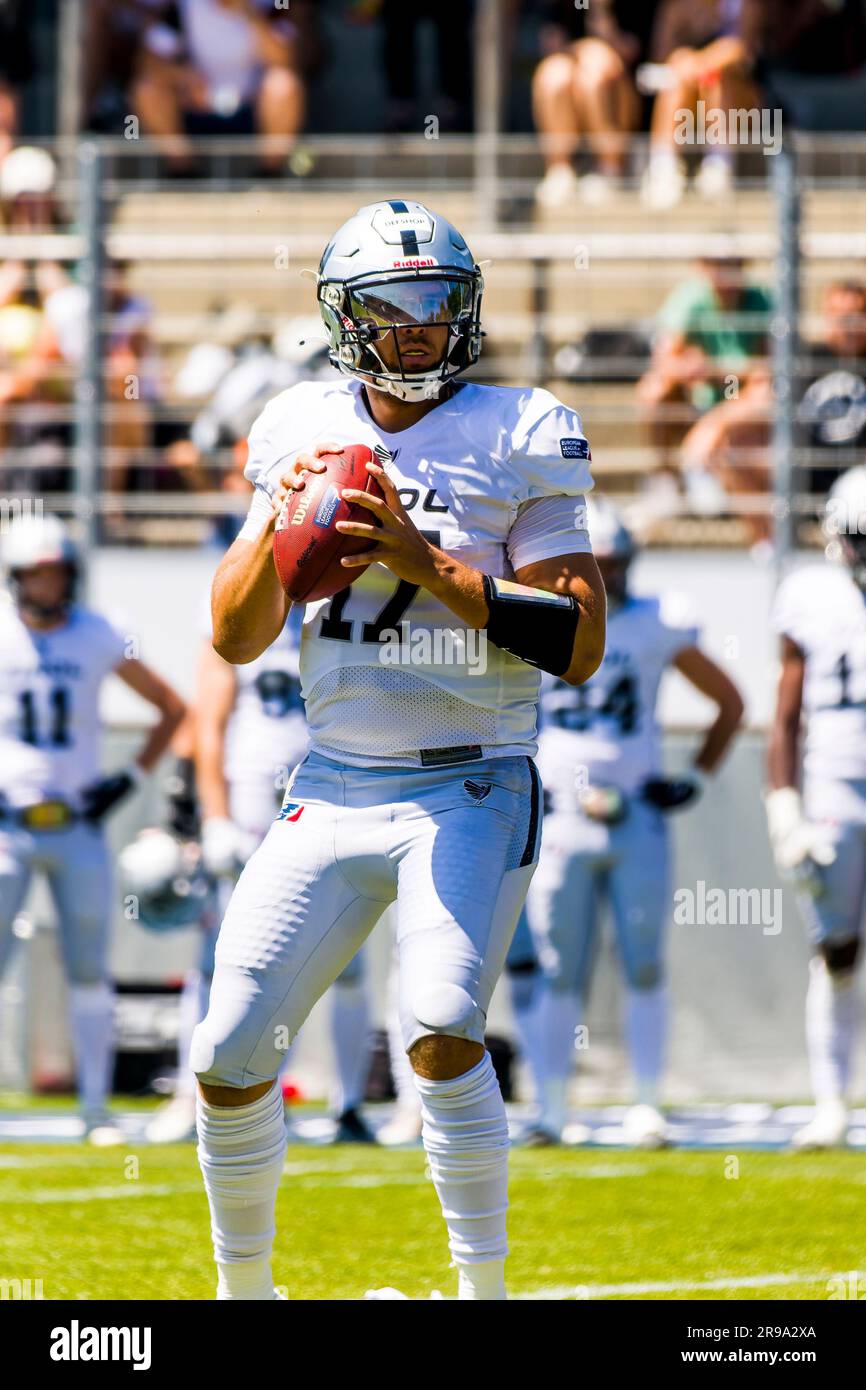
x=165, y=880
x=845, y=522
x=39, y=540
x=393, y=265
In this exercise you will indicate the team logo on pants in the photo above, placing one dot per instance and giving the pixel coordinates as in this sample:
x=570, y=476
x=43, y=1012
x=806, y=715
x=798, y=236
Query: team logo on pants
x=290, y=810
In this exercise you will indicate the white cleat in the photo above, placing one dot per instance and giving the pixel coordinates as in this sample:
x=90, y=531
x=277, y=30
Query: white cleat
x=403, y=1128
x=388, y=1293
x=575, y=1134
x=645, y=1127
x=99, y=1130
x=173, y=1123
x=826, y=1129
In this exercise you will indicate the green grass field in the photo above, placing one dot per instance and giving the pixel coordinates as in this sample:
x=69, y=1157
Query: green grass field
x=133, y=1223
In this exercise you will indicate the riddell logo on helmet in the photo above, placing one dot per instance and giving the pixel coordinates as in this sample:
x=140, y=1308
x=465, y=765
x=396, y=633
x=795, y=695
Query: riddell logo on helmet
x=413, y=262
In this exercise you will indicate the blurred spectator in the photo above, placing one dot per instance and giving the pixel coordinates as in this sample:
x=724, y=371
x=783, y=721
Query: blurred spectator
x=224, y=67
x=700, y=48
x=712, y=335
x=585, y=87
x=233, y=387
x=114, y=34
x=453, y=27
x=16, y=65
x=28, y=201
x=726, y=452
x=810, y=58
x=831, y=414
x=34, y=425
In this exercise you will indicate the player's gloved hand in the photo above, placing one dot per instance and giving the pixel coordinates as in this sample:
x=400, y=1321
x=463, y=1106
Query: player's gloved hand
x=99, y=797
x=801, y=849
x=604, y=804
x=671, y=793
x=225, y=848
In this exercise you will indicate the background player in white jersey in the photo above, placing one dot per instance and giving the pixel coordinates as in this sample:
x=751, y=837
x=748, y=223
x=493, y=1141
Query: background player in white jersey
x=54, y=656
x=819, y=837
x=420, y=786
x=605, y=836
x=249, y=735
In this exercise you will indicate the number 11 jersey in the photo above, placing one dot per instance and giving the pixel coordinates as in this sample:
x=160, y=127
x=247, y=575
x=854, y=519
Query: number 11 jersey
x=49, y=703
x=822, y=610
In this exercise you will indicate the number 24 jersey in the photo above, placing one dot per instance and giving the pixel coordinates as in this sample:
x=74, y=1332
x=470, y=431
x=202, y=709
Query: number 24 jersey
x=604, y=733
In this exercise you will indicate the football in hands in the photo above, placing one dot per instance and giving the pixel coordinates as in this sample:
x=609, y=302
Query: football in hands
x=308, y=547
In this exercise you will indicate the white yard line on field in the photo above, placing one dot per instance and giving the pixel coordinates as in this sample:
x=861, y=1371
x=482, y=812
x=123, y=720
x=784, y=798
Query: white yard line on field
x=755, y=1281
x=95, y=1194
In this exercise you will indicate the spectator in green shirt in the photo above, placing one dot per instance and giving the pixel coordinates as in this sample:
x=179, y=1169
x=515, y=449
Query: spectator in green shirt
x=710, y=373
x=712, y=330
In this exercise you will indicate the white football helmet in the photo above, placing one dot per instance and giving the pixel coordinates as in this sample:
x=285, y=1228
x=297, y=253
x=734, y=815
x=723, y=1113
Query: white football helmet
x=164, y=876
x=393, y=265
x=845, y=522
x=39, y=540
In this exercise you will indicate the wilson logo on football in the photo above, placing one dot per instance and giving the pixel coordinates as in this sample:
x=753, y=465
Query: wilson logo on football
x=301, y=510
x=291, y=811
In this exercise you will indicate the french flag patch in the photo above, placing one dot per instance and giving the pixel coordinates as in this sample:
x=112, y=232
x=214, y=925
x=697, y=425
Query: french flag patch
x=290, y=810
x=574, y=448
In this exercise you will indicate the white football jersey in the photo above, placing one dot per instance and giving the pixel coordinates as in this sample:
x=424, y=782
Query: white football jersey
x=604, y=733
x=266, y=735
x=821, y=609
x=49, y=703
x=266, y=732
x=494, y=476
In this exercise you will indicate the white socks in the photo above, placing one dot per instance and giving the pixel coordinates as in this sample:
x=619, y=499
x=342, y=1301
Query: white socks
x=466, y=1138
x=241, y=1151
x=831, y=1019
x=646, y=1013
x=92, y=1020
x=350, y=1025
x=481, y=1283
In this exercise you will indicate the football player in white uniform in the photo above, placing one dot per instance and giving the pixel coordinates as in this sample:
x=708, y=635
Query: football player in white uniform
x=54, y=656
x=420, y=683
x=605, y=834
x=819, y=835
x=249, y=735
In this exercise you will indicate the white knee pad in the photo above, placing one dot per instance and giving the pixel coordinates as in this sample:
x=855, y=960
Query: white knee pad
x=445, y=1008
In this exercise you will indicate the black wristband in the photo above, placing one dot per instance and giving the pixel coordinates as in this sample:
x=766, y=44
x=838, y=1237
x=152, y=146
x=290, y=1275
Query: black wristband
x=532, y=624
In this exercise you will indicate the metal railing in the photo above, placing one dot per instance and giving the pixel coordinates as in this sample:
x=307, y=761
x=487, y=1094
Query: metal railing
x=532, y=310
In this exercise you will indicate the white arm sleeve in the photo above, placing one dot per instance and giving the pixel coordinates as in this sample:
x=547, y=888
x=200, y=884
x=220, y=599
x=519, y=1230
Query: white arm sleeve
x=546, y=527
x=257, y=517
